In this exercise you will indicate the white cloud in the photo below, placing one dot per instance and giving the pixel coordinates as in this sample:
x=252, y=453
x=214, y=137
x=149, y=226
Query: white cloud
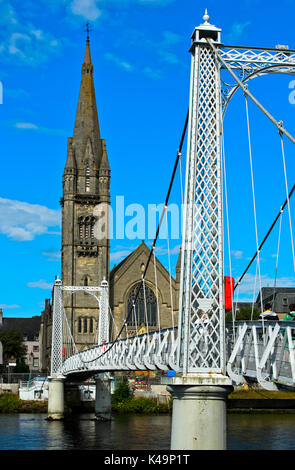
x=118, y=61
x=34, y=127
x=161, y=250
x=248, y=283
x=23, y=42
x=169, y=57
x=26, y=125
x=237, y=254
x=31, y=46
x=8, y=13
x=152, y=73
x=137, y=2
x=119, y=255
x=237, y=30
x=170, y=38
x=88, y=9
x=7, y=307
x=52, y=255
x=40, y=284
x=22, y=221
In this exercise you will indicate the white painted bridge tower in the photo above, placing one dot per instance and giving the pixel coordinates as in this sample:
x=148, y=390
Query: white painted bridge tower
x=201, y=387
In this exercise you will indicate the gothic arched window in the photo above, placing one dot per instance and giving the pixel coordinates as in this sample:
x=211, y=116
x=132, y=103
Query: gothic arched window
x=145, y=306
x=86, y=227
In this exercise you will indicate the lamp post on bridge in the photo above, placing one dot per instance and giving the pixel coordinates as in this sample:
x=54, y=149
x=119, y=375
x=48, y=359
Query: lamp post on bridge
x=200, y=388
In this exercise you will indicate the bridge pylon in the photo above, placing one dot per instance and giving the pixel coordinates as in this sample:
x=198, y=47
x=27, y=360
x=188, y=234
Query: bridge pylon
x=62, y=339
x=201, y=386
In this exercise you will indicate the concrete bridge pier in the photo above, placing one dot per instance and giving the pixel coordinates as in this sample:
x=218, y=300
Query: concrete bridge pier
x=199, y=418
x=56, y=397
x=102, y=406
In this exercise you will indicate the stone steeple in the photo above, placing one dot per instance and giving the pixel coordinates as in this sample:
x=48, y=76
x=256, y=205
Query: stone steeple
x=86, y=122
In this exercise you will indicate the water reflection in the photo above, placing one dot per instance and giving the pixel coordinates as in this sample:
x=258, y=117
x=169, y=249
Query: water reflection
x=261, y=432
x=123, y=432
x=34, y=432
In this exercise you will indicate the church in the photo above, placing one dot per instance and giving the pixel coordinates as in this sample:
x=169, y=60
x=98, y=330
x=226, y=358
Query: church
x=85, y=258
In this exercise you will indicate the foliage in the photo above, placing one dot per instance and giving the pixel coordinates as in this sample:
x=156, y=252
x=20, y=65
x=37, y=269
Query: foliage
x=13, y=345
x=21, y=367
x=123, y=402
x=244, y=313
x=140, y=405
x=122, y=392
x=11, y=403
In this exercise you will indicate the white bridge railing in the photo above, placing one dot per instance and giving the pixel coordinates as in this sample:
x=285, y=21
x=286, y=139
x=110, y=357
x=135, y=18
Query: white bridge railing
x=262, y=351
x=255, y=350
x=152, y=351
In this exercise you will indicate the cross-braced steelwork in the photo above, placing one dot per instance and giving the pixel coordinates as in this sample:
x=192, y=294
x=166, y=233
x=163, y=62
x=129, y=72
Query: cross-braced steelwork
x=201, y=310
x=63, y=345
x=262, y=352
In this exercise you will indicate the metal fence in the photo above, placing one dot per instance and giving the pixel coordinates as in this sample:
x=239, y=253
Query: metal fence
x=16, y=378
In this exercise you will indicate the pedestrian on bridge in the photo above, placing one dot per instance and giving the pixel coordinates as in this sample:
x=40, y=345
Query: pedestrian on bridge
x=268, y=314
x=290, y=317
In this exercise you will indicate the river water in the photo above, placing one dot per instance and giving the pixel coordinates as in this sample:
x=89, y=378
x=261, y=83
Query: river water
x=82, y=432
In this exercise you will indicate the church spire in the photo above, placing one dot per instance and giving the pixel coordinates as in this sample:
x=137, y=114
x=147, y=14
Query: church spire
x=86, y=122
x=87, y=57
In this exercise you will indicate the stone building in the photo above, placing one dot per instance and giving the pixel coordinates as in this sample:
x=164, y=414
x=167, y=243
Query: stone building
x=157, y=302
x=86, y=249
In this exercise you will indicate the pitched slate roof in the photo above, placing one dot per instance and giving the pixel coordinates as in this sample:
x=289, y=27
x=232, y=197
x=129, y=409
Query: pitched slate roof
x=29, y=327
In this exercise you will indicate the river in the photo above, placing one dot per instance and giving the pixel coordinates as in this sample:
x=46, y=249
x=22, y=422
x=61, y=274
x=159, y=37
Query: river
x=34, y=432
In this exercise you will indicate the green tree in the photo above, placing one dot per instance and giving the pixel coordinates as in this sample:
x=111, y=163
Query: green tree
x=122, y=392
x=13, y=345
x=244, y=313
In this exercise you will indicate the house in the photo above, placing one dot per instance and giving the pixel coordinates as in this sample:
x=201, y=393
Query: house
x=30, y=329
x=279, y=297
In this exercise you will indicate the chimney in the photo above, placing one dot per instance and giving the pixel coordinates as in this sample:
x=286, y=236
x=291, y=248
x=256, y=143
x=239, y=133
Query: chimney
x=1, y=316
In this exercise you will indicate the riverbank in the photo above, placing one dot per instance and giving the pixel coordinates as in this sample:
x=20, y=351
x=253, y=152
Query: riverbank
x=239, y=401
x=259, y=400
x=11, y=403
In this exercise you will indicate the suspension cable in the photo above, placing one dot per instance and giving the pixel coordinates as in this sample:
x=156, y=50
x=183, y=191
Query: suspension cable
x=169, y=266
x=227, y=221
x=254, y=204
x=277, y=262
x=288, y=199
x=178, y=155
x=266, y=237
x=157, y=293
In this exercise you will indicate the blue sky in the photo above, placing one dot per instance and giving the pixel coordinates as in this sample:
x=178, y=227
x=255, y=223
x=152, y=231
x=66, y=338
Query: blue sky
x=141, y=70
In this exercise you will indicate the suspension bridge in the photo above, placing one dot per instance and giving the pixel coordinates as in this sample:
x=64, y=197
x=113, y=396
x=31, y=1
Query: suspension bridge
x=208, y=355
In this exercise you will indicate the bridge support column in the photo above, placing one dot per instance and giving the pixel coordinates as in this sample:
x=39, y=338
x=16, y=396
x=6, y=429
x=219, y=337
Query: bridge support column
x=102, y=407
x=56, y=397
x=199, y=412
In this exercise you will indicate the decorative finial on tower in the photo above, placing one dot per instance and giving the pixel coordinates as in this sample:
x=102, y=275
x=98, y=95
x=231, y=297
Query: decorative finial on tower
x=205, y=31
x=206, y=17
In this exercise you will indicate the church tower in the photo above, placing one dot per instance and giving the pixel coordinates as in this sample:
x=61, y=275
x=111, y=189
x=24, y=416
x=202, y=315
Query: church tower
x=86, y=193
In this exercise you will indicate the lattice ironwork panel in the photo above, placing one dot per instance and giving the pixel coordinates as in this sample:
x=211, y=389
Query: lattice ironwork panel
x=62, y=338
x=57, y=329
x=202, y=312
